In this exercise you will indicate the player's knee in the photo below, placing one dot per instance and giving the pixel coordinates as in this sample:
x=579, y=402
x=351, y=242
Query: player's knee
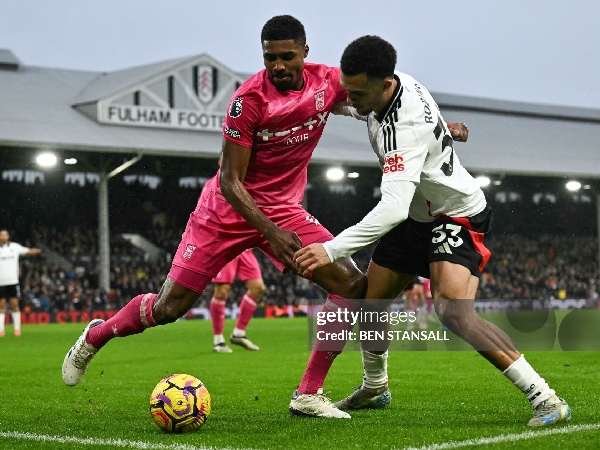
x=169, y=310
x=342, y=278
x=257, y=291
x=167, y=313
x=457, y=321
x=357, y=286
x=222, y=290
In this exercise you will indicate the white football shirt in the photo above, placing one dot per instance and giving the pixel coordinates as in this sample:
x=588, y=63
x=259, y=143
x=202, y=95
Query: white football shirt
x=422, y=176
x=9, y=263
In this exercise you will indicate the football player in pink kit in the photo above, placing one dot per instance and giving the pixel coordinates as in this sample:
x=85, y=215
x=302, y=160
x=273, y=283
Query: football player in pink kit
x=274, y=122
x=247, y=269
x=433, y=220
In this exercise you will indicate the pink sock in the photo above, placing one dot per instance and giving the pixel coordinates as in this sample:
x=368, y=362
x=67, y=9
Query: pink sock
x=325, y=351
x=133, y=318
x=217, y=314
x=247, y=309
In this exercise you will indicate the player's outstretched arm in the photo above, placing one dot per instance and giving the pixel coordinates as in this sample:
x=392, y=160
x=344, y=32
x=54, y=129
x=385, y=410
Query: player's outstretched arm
x=233, y=170
x=346, y=109
x=459, y=131
x=34, y=251
x=389, y=212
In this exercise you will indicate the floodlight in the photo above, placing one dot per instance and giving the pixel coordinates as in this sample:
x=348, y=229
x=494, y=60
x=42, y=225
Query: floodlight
x=335, y=174
x=483, y=181
x=46, y=159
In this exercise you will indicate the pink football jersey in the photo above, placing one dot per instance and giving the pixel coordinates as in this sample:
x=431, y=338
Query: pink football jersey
x=282, y=129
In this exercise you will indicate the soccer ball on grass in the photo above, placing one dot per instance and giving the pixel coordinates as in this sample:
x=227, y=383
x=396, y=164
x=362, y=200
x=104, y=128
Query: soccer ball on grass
x=180, y=403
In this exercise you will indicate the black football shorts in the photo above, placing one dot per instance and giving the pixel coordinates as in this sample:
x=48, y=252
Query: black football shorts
x=10, y=291
x=411, y=246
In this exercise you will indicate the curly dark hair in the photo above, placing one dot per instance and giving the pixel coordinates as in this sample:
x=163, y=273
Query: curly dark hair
x=282, y=28
x=371, y=55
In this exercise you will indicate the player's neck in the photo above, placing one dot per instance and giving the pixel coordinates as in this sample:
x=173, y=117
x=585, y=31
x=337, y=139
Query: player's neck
x=387, y=95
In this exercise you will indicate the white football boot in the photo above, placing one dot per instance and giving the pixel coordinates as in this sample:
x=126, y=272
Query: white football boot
x=243, y=341
x=551, y=411
x=78, y=358
x=315, y=405
x=222, y=348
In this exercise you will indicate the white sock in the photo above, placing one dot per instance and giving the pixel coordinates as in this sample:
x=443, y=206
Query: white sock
x=375, y=369
x=529, y=382
x=218, y=339
x=239, y=333
x=16, y=318
x=2, y=319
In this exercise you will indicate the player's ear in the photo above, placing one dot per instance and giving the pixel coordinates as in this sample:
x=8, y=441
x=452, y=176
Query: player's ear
x=306, y=51
x=388, y=82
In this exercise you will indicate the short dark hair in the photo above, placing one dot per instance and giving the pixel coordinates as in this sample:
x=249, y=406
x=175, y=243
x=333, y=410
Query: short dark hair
x=371, y=55
x=283, y=28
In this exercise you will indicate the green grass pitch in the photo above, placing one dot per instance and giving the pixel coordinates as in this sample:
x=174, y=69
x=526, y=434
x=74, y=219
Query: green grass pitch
x=440, y=398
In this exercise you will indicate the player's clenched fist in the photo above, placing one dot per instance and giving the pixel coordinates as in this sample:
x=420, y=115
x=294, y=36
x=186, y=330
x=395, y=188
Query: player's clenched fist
x=459, y=131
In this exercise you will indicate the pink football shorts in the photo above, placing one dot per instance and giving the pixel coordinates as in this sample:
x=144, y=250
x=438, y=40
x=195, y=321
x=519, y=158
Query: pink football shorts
x=216, y=233
x=245, y=266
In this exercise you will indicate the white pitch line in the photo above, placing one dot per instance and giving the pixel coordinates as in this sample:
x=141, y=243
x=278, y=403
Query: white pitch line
x=508, y=437
x=108, y=442
x=150, y=446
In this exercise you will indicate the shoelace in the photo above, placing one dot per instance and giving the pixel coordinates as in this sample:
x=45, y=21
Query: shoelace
x=545, y=409
x=81, y=358
x=323, y=397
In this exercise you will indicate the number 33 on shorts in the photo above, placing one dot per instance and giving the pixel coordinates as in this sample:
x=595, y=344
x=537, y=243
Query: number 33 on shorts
x=446, y=235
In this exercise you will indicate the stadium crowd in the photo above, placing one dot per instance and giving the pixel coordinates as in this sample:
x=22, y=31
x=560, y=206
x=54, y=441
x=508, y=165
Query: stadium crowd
x=531, y=259
x=548, y=267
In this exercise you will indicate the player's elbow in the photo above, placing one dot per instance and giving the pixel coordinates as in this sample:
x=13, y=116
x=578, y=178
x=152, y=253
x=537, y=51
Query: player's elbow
x=396, y=216
x=227, y=186
x=400, y=215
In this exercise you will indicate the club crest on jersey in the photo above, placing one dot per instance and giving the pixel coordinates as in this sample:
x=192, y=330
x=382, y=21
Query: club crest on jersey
x=320, y=100
x=189, y=249
x=236, y=108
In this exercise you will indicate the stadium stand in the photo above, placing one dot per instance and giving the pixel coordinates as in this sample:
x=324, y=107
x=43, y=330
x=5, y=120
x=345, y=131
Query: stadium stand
x=552, y=261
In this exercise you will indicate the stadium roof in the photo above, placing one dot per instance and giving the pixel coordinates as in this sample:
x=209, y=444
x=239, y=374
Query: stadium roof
x=76, y=110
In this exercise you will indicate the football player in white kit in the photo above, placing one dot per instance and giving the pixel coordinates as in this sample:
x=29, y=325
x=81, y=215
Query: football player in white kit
x=9, y=279
x=432, y=221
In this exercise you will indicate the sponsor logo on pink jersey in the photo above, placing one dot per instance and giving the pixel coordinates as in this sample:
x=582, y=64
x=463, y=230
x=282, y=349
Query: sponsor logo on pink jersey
x=189, y=249
x=232, y=132
x=311, y=219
